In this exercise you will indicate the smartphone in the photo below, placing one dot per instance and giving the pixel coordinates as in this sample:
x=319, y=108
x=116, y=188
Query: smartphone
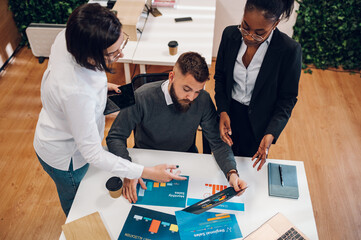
x=184, y=19
x=126, y=98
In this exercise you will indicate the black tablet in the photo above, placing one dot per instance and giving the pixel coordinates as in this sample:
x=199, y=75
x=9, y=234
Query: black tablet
x=212, y=201
x=115, y=102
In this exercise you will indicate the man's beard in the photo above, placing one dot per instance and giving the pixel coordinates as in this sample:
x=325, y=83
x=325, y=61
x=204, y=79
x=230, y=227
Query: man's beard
x=180, y=105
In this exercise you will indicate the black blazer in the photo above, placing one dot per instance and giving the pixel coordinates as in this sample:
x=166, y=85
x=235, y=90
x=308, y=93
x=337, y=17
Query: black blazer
x=276, y=88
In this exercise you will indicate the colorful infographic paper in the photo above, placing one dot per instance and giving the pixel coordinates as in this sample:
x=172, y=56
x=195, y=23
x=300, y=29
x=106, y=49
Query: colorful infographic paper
x=207, y=226
x=170, y=194
x=203, y=188
x=147, y=224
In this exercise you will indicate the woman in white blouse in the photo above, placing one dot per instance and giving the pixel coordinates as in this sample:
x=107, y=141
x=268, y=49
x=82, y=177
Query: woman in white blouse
x=74, y=89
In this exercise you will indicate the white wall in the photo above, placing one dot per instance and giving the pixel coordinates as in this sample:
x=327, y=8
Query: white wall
x=230, y=12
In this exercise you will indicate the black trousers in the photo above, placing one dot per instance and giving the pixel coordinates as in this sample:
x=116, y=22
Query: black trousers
x=244, y=141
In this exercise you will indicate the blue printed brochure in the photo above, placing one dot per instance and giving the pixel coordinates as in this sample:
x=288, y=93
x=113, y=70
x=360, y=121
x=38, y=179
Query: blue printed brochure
x=147, y=224
x=170, y=194
x=207, y=226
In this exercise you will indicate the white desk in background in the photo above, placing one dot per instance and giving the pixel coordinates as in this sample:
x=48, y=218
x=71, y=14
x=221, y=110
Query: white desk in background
x=131, y=45
x=196, y=35
x=92, y=195
x=128, y=58
x=152, y=46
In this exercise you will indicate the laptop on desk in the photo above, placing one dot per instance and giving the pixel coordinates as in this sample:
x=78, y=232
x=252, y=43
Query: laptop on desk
x=277, y=228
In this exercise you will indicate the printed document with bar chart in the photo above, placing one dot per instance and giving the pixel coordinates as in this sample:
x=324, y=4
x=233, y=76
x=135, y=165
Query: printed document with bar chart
x=207, y=226
x=200, y=189
x=143, y=223
x=170, y=194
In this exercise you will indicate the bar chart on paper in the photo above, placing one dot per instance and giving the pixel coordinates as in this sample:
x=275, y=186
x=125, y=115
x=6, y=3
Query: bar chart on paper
x=144, y=223
x=170, y=194
x=207, y=225
x=213, y=189
x=203, y=188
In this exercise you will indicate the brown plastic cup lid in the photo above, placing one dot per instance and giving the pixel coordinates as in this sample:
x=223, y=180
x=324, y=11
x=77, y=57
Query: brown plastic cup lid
x=173, y=44
x=114, y=184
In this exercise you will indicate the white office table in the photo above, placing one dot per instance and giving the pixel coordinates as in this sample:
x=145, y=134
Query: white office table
x=128, y=50
x=196, y=35
x=92, y=195
x=128, y=58
x=152, y=45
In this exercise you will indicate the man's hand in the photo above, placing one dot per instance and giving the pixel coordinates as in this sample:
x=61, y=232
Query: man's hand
x=113, y=87
x=130, y=189
x=263, y=149
x=225, y=128
x=160, y=173
x=237, y=183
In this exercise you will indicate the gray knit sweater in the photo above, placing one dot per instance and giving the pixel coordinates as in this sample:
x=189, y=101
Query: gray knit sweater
x=160, y=126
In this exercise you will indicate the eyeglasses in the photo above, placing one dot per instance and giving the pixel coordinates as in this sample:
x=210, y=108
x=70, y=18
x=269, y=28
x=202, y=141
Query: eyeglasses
x=256, y=37
x=125, y=41
x=120, y=50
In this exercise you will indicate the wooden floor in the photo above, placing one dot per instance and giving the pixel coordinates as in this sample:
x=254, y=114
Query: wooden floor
x=324, y=132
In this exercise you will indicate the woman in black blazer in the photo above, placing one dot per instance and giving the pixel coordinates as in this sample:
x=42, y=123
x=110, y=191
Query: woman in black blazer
x=257, y=75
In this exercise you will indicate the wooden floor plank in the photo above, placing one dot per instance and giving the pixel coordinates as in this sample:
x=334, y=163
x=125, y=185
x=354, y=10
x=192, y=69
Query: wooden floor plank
x=324, y=132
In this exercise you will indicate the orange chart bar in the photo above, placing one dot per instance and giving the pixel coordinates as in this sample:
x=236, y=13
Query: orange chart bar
x=154, y=226
x=217, y=218
x=213, y=189
x=216, y=188
x=221, y=214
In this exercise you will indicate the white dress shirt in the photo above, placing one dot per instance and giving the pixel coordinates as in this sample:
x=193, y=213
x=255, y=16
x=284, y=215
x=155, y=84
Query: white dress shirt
x=165, y=90
x=245, y=78
x=71, y=122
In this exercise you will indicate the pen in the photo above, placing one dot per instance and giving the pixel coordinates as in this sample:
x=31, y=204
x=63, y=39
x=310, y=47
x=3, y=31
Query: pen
x=280, y=169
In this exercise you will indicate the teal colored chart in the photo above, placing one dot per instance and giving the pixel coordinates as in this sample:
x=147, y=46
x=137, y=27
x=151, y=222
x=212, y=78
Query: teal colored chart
x=207, y=226
x=147, y=224
x=170, y=194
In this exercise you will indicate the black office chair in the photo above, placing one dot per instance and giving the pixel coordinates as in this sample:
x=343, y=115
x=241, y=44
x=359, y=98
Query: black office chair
x=144, y=78
x=127, y=97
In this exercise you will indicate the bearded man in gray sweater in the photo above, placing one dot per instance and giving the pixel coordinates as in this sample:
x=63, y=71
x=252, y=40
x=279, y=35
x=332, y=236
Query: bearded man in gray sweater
x=166, y=116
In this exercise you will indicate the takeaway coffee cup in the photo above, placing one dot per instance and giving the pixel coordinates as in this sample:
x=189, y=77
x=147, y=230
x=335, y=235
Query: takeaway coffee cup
x=114, y=186
x=173, y=47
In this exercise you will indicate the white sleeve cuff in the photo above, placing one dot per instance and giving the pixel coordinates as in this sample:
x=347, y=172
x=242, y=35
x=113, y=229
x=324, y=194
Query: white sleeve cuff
x=135, y=171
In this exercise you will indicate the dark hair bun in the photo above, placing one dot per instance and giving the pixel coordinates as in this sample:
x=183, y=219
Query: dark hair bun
x=275, y=9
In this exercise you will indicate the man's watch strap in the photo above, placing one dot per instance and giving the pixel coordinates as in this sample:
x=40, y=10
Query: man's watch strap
x=231, y=172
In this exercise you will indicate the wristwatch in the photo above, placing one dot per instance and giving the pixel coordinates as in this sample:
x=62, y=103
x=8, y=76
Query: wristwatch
x=230, y=173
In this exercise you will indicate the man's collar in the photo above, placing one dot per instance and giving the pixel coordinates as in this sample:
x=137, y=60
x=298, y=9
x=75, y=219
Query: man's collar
x=165, y=87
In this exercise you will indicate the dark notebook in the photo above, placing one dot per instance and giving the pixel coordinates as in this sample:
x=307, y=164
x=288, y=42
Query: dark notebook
x=124, y=99
x=290, y=183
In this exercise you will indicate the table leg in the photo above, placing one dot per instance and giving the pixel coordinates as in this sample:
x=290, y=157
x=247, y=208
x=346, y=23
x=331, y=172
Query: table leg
x=127, y=73
x=142, y=68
